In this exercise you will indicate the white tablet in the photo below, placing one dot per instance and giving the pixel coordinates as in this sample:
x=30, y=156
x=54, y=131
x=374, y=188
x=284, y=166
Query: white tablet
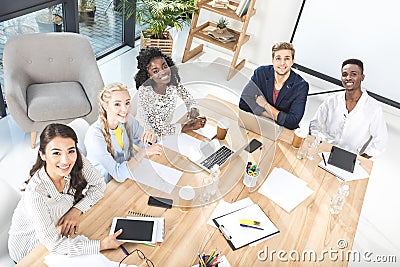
x=135, y=229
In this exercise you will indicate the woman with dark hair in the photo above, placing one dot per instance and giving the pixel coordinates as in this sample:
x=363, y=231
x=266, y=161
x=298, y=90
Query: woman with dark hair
x=62, y=185
x=159, y=86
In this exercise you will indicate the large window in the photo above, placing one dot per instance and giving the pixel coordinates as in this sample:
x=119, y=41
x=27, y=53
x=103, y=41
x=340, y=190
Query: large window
x=104, y=27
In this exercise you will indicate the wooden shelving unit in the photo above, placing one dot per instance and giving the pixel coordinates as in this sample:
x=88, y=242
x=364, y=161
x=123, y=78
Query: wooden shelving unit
x=201, y=32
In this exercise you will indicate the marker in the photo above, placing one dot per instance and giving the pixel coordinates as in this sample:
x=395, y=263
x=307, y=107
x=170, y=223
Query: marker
x=323, y=157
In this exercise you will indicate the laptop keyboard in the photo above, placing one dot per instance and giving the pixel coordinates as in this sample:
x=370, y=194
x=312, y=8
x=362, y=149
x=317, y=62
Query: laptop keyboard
x=218, y=157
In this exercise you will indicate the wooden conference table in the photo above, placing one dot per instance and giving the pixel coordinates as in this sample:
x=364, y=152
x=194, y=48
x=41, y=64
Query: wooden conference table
x=309, y=226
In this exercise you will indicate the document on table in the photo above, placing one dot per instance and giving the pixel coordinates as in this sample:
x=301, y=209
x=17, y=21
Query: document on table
x=239, y=236
x=224, y=207
x=209, y=131
x=156, y=175
x=183, y=144
x=357, y=174
x=285, y=189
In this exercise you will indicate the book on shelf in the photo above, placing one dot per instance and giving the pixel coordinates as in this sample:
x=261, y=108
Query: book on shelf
x=224, y=37
x=242, y=7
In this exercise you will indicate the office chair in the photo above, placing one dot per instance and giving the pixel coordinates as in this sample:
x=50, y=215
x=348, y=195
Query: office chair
x=49, y=78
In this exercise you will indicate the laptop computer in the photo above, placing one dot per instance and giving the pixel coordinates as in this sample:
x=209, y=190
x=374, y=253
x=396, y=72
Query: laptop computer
x=260, y=125
x=213, y=152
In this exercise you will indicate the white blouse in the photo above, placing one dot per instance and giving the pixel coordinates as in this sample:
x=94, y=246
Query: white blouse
x=36, y=216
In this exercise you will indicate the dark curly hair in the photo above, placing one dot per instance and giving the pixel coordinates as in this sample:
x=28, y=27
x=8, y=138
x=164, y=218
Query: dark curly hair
x=144, y=58
x=78, y=181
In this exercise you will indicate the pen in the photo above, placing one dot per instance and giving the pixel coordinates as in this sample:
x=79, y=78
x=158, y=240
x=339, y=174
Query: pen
x=251, y=226
x=124, y=250
x=323, y=157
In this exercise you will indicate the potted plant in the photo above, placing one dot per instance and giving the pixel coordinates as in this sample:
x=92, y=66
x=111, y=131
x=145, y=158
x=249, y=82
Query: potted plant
x=221, y=25
x=87, y=9
x=158, y=16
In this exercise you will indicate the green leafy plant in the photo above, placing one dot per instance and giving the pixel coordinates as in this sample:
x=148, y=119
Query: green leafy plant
x=222, y=23
x=158, y=15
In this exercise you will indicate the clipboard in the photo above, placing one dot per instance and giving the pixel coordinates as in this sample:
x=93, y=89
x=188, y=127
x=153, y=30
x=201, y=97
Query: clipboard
x=238, y=236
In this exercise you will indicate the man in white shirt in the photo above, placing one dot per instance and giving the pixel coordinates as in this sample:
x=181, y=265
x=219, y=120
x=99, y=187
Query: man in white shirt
x=352, y=119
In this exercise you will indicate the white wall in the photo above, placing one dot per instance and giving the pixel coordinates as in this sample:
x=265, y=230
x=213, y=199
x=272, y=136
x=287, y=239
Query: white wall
x=273, y=22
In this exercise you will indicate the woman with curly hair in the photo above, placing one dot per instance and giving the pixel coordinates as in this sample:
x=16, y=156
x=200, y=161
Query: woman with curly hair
x=62, y=186
x=159, y=86
x=116, y=142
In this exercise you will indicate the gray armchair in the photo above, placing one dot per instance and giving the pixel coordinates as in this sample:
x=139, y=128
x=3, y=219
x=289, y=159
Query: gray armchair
x=50, y=77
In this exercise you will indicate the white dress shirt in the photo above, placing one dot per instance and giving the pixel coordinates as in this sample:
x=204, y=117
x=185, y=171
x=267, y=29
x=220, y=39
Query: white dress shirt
x=36, y=216
x=363, y=130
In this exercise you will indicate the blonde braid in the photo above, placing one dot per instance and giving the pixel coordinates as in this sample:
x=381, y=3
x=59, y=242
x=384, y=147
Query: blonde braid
x=104, y=98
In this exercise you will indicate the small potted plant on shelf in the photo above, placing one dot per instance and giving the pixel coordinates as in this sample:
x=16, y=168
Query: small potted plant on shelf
x=157, y=16
x=221, y=25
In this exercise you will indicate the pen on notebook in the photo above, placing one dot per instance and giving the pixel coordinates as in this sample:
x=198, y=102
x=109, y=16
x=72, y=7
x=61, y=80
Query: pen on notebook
x=124, y=250
x=323, y=158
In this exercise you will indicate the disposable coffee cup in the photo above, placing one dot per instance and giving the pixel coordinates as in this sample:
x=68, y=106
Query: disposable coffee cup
x=222, y=129
x=186, y=196
x=298, y=138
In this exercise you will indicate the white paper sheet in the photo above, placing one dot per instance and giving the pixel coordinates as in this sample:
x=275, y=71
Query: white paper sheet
x=209, y=131
x=183, y=144
x=226, y=207
x=156, y=175
x=285, y=189
x=98, y=260
x=357, y=174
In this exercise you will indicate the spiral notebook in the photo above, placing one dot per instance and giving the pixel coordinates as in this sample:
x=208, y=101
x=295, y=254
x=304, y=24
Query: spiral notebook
x=158, y=220
x=238, y=236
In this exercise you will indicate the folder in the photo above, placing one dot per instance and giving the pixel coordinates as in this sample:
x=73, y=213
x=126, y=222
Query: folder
x=239, y=236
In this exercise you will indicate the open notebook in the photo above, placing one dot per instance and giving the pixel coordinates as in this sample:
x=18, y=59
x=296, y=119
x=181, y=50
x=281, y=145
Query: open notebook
x=238, y=236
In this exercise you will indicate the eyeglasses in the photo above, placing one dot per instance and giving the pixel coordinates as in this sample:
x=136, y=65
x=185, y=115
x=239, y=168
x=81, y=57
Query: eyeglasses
x=141, y=256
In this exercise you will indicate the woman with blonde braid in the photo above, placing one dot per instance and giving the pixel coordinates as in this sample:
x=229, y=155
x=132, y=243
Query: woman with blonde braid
x=116, y=142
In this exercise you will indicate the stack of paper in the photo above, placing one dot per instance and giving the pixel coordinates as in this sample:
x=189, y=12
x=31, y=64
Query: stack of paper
x=156, y=175
x=285, y=189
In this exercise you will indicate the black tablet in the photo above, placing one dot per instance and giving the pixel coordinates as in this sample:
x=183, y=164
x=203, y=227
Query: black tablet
x=342, y=159
x=135, y=229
